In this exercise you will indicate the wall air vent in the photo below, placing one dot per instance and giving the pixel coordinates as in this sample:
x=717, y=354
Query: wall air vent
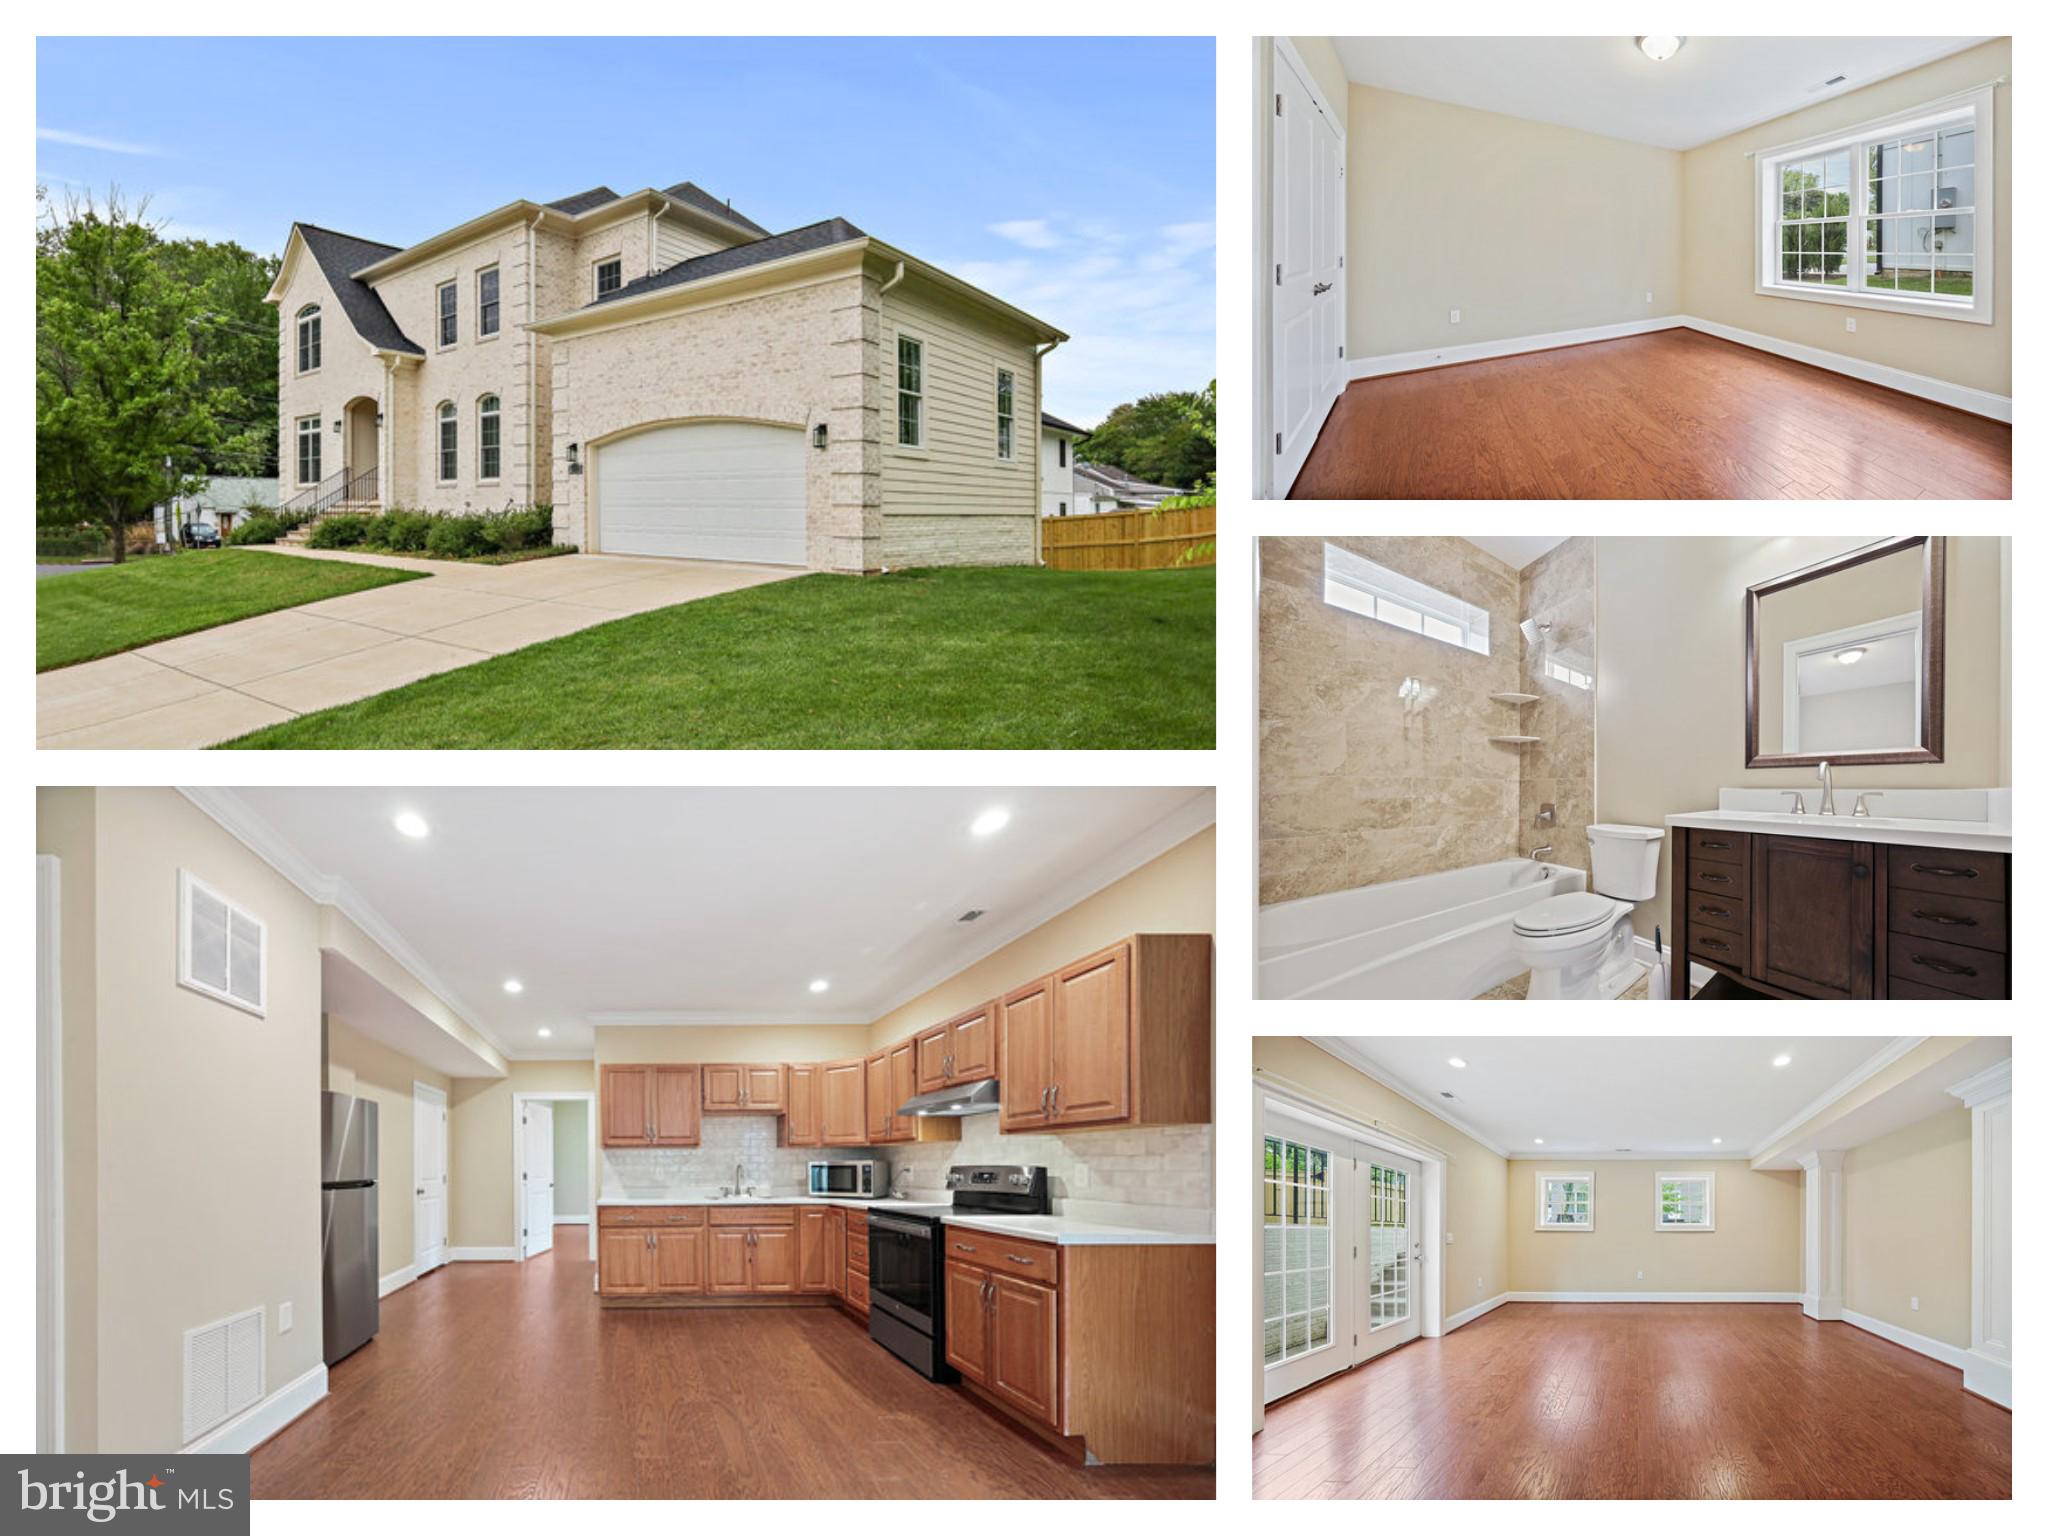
x=970, y=915
x=223, y=1371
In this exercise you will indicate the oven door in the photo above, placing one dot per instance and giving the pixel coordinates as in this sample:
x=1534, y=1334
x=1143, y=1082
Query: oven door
x=903, y=1264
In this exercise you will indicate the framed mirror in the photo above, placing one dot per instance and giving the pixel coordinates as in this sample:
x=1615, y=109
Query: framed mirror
x=1845, y=659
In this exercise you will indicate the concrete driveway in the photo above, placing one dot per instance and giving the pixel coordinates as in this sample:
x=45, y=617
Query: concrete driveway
x=220, y=683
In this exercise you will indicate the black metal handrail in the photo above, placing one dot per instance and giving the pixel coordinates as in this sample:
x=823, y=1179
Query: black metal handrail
x=338, y=488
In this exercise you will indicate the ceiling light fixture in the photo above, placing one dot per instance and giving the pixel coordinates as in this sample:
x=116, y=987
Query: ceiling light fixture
x=545, y=1032
x=1851, y=656
x=1781, y=1061
x=1658, y=49
x=1458, y=1061
x=990, y=821
x=1539, y=1141
x=1717, y=1141
x=411, y=823
x=820, y=984
x=513, y=984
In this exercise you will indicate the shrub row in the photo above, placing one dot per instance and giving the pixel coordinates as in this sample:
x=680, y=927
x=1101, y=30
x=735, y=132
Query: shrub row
x=464, y=536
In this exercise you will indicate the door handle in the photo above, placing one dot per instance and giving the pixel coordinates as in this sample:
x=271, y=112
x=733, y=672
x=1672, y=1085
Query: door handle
x=419, y=1191
x=1716, y=912
x=1319, y=290
x=1947, y=918
x=1708, y=874
x=1055, y=1101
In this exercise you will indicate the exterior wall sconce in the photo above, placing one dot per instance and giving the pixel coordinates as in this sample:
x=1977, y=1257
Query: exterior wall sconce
x=337, y=423
x=380, y=418
x=575, y=460
x=818, y=435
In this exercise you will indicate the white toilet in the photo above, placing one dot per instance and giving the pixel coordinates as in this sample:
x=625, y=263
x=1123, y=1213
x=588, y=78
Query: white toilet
x=1581, y=944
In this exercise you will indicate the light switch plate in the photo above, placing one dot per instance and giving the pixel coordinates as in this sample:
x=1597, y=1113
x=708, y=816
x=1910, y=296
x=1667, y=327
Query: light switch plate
x=284, y=1317
x=1454, y=317
x=1649, y=297
x=1916, y=1303
x=1852, y=322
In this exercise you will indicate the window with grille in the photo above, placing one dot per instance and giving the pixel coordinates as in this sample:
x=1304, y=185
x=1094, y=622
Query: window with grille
x=309, y=339
x=487, y=302
x=1364, y=587
x=1298, y=1254
x=909, y=392
x=448, y=463
x=1894, y=215
x=445, y=300
x=1387, y=1286
x=611, y=276
x=1006, y=414
x=487, y=452
x=1564, y=1202
x=1685, y=1202
x=308, y=438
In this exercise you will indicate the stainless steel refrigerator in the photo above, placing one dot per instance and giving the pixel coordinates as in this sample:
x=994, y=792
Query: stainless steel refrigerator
x=348, y=1223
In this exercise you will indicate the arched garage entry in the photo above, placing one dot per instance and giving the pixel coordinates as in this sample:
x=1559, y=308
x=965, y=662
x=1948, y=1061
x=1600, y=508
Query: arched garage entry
x=703, y=490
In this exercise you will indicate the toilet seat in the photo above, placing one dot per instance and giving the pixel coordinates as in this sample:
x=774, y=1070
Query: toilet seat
x=1558, y=916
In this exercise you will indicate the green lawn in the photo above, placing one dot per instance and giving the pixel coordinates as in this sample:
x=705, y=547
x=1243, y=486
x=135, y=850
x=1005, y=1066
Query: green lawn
x=96, y=613
x=971, y=658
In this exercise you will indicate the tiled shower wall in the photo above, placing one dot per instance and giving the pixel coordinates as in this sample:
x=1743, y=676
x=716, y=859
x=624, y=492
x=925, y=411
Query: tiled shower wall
x=1358, y=784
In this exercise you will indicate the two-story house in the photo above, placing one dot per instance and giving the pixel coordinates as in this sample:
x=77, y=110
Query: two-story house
x=672, y=378
x=1056, y=440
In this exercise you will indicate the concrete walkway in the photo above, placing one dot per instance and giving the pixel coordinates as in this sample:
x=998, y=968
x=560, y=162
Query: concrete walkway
x=220, y=683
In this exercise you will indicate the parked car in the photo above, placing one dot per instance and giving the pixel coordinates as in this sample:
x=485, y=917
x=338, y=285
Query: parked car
x=199, y=536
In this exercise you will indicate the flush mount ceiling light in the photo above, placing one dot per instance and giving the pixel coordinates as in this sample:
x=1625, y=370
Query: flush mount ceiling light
x=545, y=1032
x=1658, y=49
x=1717, y=1141
x=1457, y=1061
x=1781, y=1061
x=411, y=823
x=512, y=984
x=820, y=984
x=1851, y=656
x=990, y=821
x=1539, y=1141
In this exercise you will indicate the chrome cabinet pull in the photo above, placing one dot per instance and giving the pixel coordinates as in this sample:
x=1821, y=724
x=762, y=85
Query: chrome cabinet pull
x=1716, y=912
x=1045, y=1099
x=1055, y=1101
x=964, y=1248
x=1717, y=845
x=1947, y=918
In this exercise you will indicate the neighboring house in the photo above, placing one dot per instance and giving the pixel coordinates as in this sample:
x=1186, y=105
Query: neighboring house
x=1106, y=488
x=224, y=499
x=1056, y=465
x=672, y=377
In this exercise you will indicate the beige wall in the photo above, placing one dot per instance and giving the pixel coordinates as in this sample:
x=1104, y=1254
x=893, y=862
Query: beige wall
x=347, y=372
x=1671, y=677
x=342, y=936
x=1524, y=227
x=1907, y=1219
x=371, y=1070
x=1558, y=589
x=1327, y=70
x=1720, y=223
x=482, y=1213
x=1815, y=1131
x=1755, y=1244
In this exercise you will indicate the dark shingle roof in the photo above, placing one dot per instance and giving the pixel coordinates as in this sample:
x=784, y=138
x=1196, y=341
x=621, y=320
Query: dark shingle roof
x=583, y=202
x=689, y=192
x=812, y=237
x=338, y=256
x=1061, y=426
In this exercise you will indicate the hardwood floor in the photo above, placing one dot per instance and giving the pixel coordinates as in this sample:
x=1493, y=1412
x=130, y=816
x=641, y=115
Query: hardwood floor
x=1669, y=414
x=507, y=1381
x=1664, y=1400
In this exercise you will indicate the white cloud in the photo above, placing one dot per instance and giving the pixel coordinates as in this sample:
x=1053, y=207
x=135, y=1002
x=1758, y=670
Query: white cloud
x=89, y=141
x=1035, y=234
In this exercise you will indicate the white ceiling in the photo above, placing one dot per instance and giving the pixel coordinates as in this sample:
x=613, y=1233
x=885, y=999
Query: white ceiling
x=1516, y=552
x=370, y=1008
x=1712, y=87
x=1596, y=1095
x=699, y=905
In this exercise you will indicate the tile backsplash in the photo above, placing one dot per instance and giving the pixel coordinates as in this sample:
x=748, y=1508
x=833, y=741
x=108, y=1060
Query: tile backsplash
x=726, y=1140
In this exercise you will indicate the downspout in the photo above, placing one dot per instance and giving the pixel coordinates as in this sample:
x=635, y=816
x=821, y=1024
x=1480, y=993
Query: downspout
x=1038, y=458
x=533, y=443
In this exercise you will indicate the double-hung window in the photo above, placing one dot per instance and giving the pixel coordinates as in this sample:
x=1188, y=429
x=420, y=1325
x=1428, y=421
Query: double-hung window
x=1368, y=588
x=1685, y=1202
x=1006, y=414
x=487, y=451
x=909, y=392
x=445, y=301
x=1564, y=1202
x=487, y=302
x=309, y=339
x=309, y=450
x=1896, y=214
x=447, y=462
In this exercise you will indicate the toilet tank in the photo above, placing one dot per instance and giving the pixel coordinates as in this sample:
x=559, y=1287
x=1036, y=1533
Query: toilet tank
x=1624, y=860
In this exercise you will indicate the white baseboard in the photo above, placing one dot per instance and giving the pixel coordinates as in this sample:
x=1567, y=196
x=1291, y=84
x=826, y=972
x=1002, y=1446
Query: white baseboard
x=253, y=1426
x=1479, y=351
x=572, y=1221
x=485, y=1255
x=1988, y=1378
x=1978, y=402
x=1919, y=1343
x=1458, y=1320
x=1749, y=1296
x=1646, y=951
x=397, y=1280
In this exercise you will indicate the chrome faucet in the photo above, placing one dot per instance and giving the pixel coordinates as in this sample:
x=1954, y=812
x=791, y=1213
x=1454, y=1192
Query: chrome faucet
x=739, y=1176
x=1863, y=795
x=1541, y=853
x=1826, y=774
x=1798, y=801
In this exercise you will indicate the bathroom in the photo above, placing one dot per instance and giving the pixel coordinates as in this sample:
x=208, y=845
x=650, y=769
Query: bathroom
x=1485, y=764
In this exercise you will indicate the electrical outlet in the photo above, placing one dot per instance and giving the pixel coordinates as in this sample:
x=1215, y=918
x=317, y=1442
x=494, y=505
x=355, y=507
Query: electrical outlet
x=1454, y=316
x=1852, y=322
x=1649, y=297
x=1479, y=1286
x=1639, y=1274
x=284, y=1317
x=1449, y=1238
x=1916, y=1303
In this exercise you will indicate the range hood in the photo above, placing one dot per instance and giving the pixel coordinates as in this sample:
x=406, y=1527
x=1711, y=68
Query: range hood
x=968, y=1099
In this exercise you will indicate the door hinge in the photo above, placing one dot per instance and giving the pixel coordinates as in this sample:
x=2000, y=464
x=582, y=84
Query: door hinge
x=1278, y=109
x=1276, y=442
x=1276, y=274
x=1340, y=261
x=1354, y=1340
x=1340, y=349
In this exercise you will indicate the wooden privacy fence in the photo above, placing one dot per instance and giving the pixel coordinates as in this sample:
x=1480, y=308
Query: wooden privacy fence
x=1131, y=541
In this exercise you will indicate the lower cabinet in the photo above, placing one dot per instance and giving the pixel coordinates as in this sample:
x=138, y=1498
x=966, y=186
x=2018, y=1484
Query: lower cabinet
x=650, y=1250
x=856, y=1260
x=1002, y=1330
x=658, y=1251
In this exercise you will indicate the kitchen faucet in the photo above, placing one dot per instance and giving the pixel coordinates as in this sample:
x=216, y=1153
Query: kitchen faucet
x=739, y=1174
x=1826, y=774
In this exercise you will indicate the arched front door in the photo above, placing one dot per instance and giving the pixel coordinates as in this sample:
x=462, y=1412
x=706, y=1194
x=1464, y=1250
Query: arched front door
x=359, y=446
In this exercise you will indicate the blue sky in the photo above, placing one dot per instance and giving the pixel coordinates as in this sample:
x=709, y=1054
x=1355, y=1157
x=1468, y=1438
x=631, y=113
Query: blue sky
x=1072, y=177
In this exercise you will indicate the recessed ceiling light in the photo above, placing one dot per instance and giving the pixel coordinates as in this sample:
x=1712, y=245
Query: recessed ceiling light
x=411, y=823
x=1717, y=1141
x=820, y=984
x=1781, y=1061
x=1851, y=656
x=1658, y=49
x=1539, y=1141
x=990, y=821
x=545, y=1032
x=513, y=984
x=1457, y=1061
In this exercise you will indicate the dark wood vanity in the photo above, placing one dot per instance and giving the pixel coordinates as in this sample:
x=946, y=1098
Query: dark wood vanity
x=1793, y=916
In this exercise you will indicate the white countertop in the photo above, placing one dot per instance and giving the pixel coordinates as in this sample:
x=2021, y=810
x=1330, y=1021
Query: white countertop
x=1063, y=1230
x=1962, y=836
x=712, y=1200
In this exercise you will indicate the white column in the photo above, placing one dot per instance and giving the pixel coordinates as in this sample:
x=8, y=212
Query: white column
x=1822, y=1297
x=1987, y=1369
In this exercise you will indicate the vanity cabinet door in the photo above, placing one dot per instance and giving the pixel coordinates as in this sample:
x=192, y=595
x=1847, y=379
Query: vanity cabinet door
x=1813, y=927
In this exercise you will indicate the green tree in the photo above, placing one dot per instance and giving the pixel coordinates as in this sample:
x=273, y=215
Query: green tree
x=234, y=338
x=1159, y=438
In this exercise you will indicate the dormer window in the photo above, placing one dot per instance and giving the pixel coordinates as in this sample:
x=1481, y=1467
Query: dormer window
x=309, y=339
x=611, y=276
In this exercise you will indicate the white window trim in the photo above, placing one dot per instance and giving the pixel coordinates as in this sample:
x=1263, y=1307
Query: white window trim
x=451, y=285
x=478, y=291
x=299, y=435
x=1657, y=1203
x=1360, y=581
x=922, y=447
x=605, y=261
x=481, y=477
x=1980, y=310
x=1011, y=456
x=187, y=884
x=445, y=413
x=1592, y=1193
x=313, y=313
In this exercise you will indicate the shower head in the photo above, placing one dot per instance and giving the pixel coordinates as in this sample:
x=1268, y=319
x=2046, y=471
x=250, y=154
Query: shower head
x=1534, y=632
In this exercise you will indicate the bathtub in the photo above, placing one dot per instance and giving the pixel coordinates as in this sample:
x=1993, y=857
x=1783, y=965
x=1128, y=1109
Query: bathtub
x=1449, y=935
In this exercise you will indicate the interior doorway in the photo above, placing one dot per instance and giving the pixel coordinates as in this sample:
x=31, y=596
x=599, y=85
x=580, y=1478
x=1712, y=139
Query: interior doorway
x=429, y=1178
x=554, y=1169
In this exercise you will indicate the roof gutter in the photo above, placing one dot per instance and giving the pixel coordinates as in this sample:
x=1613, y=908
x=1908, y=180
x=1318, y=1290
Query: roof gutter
x=965, y=290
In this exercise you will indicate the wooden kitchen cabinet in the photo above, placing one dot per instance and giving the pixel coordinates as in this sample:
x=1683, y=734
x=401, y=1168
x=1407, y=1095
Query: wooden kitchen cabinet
x=1119, y=1038
x=676, y=1122
x=679, y=1260
x=967, y=1321
x=625, y=1262
x=814, y=1249
x=650, y=1250
x=747, y=1087
x=730, y=1249
x=843, y=1103
x=881, y=1121
x=1023, y=1345
x=772, y=1266
x=959, y=1051
x=802, y=1119
x=902, y=1089
x=649, y=1106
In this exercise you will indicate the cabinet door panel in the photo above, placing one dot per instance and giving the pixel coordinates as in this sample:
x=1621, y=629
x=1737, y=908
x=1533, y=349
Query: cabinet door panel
x=974, y=1046
x=679, y=1260
x=774, y=1260
x=729, y=1260
x=902, y=1088
x=1091, y=1040
x=931, y=1059
x=1026, y=1054
x=628, y=1113
x=879, y=1102
x=1812, y=930
x=721, y=1087
x=761, y=1089
x=1023, y=1346
x=845, y=1098
x=800, y=1123
x=676, y=1097
x=625, y=1264
x=814, y=1250
x=967, y=1321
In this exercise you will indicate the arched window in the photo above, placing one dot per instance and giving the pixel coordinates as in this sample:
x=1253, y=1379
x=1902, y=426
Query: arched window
x=487, y=438
x=448, y=460
x=309, y=338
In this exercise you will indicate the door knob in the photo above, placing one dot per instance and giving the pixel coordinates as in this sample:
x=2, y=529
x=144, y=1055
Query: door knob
x=1319, y=289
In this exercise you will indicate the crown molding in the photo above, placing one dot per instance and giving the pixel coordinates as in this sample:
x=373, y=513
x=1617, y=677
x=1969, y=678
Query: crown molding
x=650, y=1018
x=1995, y=1081
x=1546, y=1155
x=1862, y=1074
x=1351, y=1056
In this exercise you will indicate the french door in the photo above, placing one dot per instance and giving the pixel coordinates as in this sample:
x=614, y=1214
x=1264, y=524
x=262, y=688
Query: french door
x=1341, y=1248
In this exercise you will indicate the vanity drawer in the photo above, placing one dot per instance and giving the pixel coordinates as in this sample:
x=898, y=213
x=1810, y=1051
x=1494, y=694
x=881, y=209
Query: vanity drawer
x=1959, y=919
x=1727, y=912
x=753, y=1216
x=1899, y=987
x=1718, y=945
x=1708, y=843
x=1951, y=967
x=650, y=1216
x=1717, y=877
x=1981, y=875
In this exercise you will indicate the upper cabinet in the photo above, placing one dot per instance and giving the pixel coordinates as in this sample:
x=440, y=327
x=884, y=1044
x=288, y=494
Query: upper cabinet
x=751, y=1088
x=802, y=1124
x=961, y=1050
x=649, y=1106
x=843, y=1103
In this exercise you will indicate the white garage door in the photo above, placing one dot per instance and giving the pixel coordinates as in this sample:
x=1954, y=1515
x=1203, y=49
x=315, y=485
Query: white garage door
x=715, y=490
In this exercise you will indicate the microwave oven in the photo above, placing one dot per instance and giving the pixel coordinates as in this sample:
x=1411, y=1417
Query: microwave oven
x=858, y=1179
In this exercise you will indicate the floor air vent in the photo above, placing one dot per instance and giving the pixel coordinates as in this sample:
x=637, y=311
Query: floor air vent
x=223, y=1371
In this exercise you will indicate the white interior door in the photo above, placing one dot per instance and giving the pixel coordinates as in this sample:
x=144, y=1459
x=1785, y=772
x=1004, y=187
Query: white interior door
x=429, y=1178
x=537, y=1177
x=1308, y=255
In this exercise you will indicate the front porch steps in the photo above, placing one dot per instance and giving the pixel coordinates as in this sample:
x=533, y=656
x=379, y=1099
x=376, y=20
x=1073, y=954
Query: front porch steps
x=304, y=531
